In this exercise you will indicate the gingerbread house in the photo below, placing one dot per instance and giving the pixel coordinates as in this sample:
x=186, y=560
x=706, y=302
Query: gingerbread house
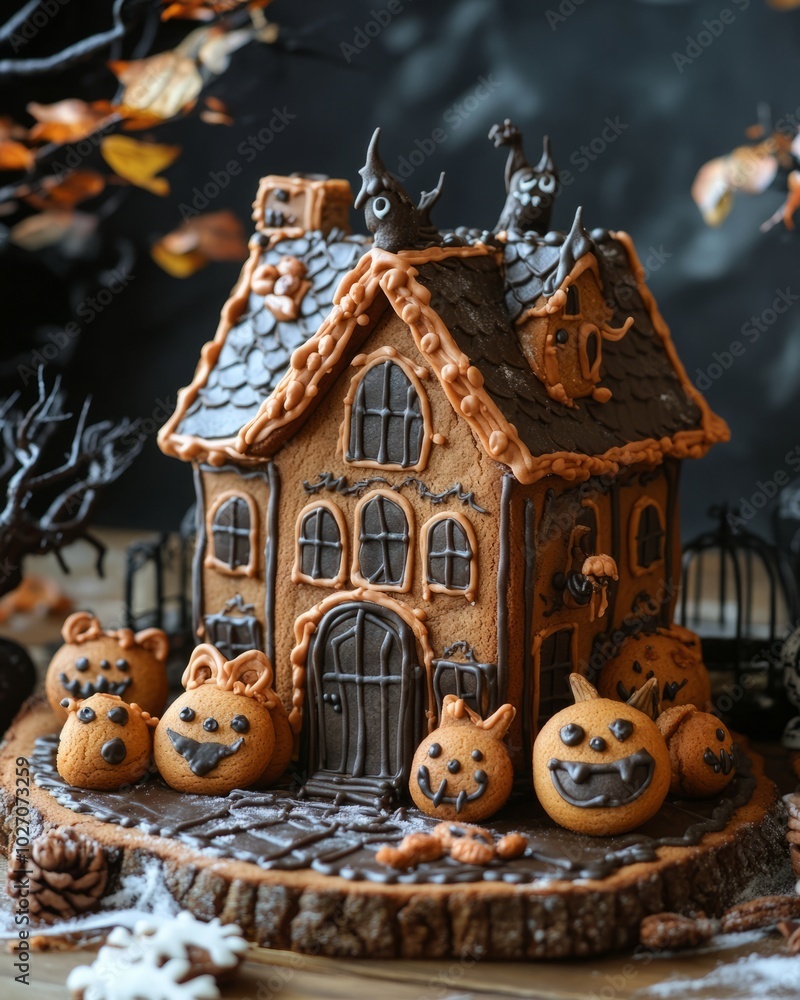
x=432, y=462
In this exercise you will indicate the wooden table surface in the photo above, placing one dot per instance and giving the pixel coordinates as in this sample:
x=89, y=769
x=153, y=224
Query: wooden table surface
x=744, y=966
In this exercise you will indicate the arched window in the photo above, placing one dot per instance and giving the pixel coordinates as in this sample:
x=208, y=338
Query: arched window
x=383, y=557
x=645, y=536
x=387, y=416
x=449, y=550
x=233, y=535
x=572, y=306
x=320, y=556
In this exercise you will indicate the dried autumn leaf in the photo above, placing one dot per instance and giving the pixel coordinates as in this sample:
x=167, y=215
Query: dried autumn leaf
x=69, y=120
x=747, y=169
x=215, y=52
x=14, y=156
x=206, y=10
x=139, y=162
x=160, y=86
x=76, y=187
x=42, y=230
x=216, y=236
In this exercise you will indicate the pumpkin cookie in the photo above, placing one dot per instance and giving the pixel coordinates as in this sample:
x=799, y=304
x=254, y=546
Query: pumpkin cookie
x=105, y=742
x=462, y=769
x=96, y=660
x=219, y=734
x=599, y=766
x=701, y=751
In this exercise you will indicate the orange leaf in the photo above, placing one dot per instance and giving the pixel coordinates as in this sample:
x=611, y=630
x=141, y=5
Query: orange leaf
x=215, y=236
x=161, y=86
x=76, y=187
x=14, y=156
x=139, y=162
x=178, y=265
x=69, y=120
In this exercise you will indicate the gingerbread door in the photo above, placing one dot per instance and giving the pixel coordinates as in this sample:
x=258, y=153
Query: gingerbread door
x=554, y=661
x=365, y=704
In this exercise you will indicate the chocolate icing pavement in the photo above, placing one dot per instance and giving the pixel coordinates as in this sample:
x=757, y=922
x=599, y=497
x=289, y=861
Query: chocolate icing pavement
x=275, y=830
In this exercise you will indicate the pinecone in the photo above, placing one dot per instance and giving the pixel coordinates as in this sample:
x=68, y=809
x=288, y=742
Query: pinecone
x=65, y=873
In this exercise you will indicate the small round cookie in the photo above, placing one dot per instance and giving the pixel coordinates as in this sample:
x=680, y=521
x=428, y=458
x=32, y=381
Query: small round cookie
x=462, y=770
x=96, y=660
x=702, y=752
x=219, y=735
x=105, y=742
x=673, y=656
x=209, y=742
x=600, y=767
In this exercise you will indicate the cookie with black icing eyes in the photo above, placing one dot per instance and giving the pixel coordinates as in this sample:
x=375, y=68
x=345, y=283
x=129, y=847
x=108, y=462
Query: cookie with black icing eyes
x=601, y=767
x=462, y=770
x=702, y=753
x=94, y=660
x=105, y=742
x=219, y=734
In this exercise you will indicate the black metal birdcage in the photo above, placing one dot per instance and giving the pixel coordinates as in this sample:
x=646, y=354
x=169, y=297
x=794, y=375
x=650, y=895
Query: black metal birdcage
x=739, y=594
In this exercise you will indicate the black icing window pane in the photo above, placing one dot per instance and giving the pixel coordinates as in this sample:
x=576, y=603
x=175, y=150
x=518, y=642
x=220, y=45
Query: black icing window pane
x=383, y=542
x=649, y=537
x=449, y=554
x=386, y=424
x=232, y=533
x=555, y=666
x=320, y=545
x=233, y=636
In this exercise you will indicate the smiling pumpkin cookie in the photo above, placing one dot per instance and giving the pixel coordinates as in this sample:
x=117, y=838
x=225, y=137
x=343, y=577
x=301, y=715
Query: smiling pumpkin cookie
x=462, y=769
x=702, y=753
x=94, y=660
x=105, y=742
x=219, y=735
x=601, y=767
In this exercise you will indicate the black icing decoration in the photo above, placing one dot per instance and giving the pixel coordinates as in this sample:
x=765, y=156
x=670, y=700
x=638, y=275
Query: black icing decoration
x=440, y=795
x=240, y=724
x=113, y=751
x=454, y=766
x=101, y=685
x=434, y=750
x=607, y=785
x=187, y=714
x=86, y=714
x=477, y=755
x=621, y=729
x=105, y=665
x=82, y=664
x=210, y=725
x=598, y=743
x=118, y=714
x=122, y=665
x=202, y=757
x=572, y=734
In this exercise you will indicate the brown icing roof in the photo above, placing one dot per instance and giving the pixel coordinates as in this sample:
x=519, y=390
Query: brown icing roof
x=460, y=303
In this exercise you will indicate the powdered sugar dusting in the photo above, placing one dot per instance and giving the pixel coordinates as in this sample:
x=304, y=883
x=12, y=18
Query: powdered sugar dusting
x=768, y=977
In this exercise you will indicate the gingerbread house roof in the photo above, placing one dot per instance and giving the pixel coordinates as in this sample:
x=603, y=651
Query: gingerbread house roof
x=454, y=298
x=252, y=347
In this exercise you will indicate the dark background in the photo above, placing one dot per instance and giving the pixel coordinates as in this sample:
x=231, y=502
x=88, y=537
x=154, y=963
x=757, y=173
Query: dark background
x=607, y=59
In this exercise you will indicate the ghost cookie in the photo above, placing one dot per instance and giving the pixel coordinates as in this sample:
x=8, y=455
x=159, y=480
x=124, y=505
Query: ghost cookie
x=105, y=742
x=462, y=770
x=702, y=753
x=96, y=660
x=219, y=735
x=601, y=767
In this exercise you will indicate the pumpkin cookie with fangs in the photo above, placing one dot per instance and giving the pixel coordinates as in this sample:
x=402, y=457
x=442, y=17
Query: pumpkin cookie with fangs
x=601, y=767
x=463, y=769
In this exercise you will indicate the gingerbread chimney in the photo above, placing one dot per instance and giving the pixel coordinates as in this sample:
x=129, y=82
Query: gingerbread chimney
x=302, y=202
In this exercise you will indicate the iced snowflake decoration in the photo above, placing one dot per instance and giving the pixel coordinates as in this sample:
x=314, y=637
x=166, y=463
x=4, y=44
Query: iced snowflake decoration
x=153, y=961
